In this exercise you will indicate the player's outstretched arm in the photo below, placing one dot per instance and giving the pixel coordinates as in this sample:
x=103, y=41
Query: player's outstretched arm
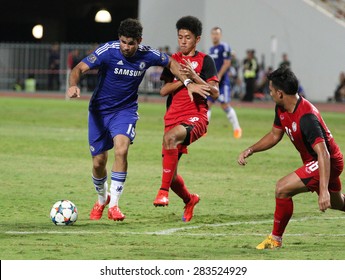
x=74, y=91
x=324, y=162
x=265, y=143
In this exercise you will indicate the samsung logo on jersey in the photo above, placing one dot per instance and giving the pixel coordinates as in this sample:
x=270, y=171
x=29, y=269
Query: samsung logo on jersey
x=127, y=72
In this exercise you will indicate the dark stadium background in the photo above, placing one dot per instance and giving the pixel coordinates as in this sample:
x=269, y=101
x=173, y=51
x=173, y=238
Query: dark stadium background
x=63, y=20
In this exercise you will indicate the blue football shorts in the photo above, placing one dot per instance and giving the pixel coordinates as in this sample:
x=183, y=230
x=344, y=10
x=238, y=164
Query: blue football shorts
x=224, y=94
x=103, y=128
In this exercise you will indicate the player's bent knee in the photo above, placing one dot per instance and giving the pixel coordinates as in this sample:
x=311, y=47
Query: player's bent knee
x=281, y=191
x=121, y=152
x=99, y=162
x=170, y=140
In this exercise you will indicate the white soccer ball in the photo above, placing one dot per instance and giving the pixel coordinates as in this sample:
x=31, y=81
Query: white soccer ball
x=64, y=213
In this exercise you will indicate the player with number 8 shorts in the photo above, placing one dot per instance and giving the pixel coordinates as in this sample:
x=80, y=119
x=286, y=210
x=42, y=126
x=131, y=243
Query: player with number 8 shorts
x=186, y=117
x=322, y=159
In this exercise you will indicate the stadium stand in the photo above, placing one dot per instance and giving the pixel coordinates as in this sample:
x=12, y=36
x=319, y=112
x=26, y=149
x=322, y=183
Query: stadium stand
x=335, y=7
x=19, y=61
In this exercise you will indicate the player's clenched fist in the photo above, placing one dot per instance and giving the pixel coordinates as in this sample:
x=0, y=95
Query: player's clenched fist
x=73, y=92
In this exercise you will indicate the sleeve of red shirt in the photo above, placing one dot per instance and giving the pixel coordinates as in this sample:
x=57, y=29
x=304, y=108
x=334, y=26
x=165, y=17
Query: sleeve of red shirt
x=166, y=75
x=209, y=70
x=312, y=129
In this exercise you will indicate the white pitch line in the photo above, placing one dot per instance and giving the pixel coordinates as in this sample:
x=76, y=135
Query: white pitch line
x=51, y=232
x=179, y=234
x=261, y=234
x=173, y=230
x=186, y=228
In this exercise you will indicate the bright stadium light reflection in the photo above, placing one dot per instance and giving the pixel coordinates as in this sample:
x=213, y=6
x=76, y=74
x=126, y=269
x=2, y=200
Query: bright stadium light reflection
x=103, y=16
x=37, y=31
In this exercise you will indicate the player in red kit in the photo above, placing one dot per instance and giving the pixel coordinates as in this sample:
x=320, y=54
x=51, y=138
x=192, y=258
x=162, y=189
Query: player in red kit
x=186, y=116
x=322, y=159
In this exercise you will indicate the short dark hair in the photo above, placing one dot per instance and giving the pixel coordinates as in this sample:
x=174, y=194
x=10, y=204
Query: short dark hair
x=284, y=79
x=217, y=28
x=130, y=28
x=190, y=23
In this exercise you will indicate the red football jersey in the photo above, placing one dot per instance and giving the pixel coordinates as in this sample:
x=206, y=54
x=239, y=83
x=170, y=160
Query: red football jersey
x=180, y=105
x=305, y=128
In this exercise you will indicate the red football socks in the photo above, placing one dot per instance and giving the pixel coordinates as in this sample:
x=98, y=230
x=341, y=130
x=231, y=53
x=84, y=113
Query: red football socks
x=180, y=189
x=282, y=215
x=170, y=161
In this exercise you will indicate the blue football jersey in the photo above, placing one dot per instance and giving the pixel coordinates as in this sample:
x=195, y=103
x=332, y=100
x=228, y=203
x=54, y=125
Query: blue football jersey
x=220, y=53
x=119, y=77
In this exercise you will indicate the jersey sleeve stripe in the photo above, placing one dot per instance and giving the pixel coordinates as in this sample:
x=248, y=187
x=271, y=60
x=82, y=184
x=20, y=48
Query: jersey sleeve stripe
x=226, y=47
x=106, y=47
x=149, y=49
x=101, y=48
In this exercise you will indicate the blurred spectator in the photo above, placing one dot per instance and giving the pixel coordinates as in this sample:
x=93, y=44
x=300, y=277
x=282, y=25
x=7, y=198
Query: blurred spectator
x=235, y=81
x=73, y=58
x=18, y=85
x=285, y=61
x=154, y=74
x=167, y=50
x=250, y=68
x=54, y=67
x=30, y=83
x=339, y=94
x=301, y=90
x=91, y=76
x=340, y=14
x=263, y=91
x=257, y=63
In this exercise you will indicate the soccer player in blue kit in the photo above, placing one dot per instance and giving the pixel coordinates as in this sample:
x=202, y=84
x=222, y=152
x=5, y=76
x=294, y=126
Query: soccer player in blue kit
x=113, y=106
x=221, y=54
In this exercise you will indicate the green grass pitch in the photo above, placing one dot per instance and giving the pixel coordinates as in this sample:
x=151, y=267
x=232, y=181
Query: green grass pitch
x=44, y=157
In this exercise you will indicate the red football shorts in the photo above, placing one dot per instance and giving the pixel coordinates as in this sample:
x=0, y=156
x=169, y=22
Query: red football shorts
x=309, y=174
x=196, y=128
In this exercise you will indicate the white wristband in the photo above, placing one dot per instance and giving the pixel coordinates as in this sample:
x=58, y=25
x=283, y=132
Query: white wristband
x=186, y=82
